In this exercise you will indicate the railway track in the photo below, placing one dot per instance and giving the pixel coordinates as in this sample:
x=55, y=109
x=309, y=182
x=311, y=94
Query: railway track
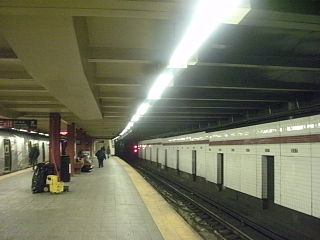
x=209, y=219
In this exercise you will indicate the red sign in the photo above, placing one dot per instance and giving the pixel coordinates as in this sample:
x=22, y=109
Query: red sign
x=4, y=123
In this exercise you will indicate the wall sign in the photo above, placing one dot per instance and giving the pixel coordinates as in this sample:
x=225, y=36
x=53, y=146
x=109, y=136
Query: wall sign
x=19, y=124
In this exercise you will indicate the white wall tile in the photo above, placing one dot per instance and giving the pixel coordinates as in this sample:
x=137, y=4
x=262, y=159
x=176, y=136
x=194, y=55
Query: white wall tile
x=232, y=175
x=316, y=187
x=296, y=183
x=201, y=163
x=211, y=166
x=277, y=180
x=268, y=149
x=314, y=124
x=248, y=174
x=296, y=149
x=315, y=149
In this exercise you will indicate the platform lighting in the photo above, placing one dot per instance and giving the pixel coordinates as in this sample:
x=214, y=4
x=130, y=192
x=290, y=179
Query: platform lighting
x=46, y=134
x=208, y=15
x=142, y=109
x=135, y=118
x=33, y=132
x=206, y=18
x=129, y=125
x=161, y=83
x=42, y=134
x=23, y=130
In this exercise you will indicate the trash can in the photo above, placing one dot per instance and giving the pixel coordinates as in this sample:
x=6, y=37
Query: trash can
x=65, y=168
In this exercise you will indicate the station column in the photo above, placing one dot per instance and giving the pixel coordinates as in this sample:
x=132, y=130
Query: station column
x=71, y=145
x=54, y=138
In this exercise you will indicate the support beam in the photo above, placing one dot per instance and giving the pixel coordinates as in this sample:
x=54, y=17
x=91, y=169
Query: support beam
x=71, y=145
x=54, y=139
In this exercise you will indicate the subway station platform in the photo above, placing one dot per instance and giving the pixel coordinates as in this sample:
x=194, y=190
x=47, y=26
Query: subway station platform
x=113, y=202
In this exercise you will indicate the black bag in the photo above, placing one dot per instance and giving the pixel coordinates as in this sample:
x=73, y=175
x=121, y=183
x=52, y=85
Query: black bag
x=40, y=174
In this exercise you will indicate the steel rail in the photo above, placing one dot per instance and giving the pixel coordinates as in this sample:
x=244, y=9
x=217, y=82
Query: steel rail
x=266, y=232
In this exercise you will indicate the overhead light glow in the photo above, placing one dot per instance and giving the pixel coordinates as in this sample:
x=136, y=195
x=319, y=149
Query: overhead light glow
x=162, y=82
x=23, y=130
x=46, y=134
x=208, y=15
x=143, y=108
x=130, y=125
x=41, y=134
x=135, y=118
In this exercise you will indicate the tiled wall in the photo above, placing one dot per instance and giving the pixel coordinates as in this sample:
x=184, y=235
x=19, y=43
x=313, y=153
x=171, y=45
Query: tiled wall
x=296, y=164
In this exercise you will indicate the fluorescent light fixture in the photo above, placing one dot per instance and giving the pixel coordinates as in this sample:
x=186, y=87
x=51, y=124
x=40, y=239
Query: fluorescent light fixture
x=33, y=132
x=162, y=82
x=129, y=125
x=135, y=118
x=207, y=17
x=23, y=130
x=143, y=108
x=42, y=134
x=46, y=134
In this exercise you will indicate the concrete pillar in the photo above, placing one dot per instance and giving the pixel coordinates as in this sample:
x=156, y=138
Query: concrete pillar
x=54, y=138
x=71, y=145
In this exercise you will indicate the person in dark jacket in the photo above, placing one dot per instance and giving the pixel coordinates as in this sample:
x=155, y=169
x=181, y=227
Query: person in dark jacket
x=101, y=155
x=108, y=151
x=33, y=155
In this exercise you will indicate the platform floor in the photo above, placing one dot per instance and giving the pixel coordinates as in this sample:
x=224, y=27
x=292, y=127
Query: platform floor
x=103, y=204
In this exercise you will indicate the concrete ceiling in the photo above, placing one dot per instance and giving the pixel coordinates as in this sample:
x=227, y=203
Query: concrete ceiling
x=94, y=61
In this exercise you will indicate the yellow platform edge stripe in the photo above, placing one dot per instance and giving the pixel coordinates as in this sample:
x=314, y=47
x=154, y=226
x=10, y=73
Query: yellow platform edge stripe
x=170, y=224
x=14, y=173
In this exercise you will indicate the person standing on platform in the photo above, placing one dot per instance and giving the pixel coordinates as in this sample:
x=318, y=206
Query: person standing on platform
x=33, y=155
x=101, y=155
x=108, y=151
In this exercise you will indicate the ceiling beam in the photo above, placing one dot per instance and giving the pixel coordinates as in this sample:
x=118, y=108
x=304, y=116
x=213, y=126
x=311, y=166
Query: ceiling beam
x=7, y=53
x=22, y=75
x=108, y=8
x=284, y=20
x=254, y=84
x=205, y=82
x=28, y=99
x=270, y=66
x=126, y=55
x=5, y=112
x=269, y=62
x=226, y=95
x=28, y=37
x=121, y=82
